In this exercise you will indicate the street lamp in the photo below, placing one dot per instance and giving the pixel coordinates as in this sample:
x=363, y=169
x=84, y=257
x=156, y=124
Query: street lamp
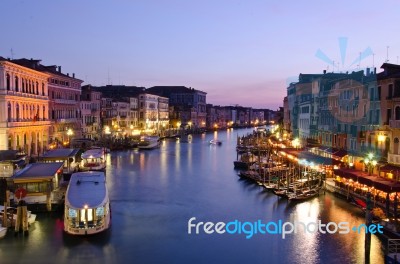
x=70, y=132
x=370, y=162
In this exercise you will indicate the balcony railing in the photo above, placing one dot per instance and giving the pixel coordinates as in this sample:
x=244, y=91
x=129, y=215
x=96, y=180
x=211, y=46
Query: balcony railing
x=394, y=123
x=65, y=101
x=25, y=95
x=67, y=120
x=28, y=123
x=394, y=158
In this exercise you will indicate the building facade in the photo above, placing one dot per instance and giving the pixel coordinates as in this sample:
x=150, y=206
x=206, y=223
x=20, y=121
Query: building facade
x=91, y=113
x=24, y=104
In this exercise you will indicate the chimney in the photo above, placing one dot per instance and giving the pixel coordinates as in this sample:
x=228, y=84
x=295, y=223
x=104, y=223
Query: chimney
x=68, y=74
x=374, y=70
x=368, y=71
x=59, y=69
x=73, y=75
x=324, y=71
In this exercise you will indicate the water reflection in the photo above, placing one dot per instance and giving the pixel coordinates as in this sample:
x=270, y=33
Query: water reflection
x=153, y=195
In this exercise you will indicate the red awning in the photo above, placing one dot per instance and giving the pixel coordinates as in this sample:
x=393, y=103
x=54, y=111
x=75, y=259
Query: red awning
x=390, y=168
x=371, y=181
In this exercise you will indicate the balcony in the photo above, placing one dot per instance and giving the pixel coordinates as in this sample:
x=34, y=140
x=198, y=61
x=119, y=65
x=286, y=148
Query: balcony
x=28, y=123
x=25, y=95
x=394, y=123
x=394, y=158
x=67, y=120
x=65, y=101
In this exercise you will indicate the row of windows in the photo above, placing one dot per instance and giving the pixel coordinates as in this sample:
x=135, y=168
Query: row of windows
x=25, y=85
x=59, y=82
x=64, y=95
x=25, y=112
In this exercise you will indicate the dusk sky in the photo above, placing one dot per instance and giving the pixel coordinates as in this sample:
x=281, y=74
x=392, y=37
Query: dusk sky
x=239, y=52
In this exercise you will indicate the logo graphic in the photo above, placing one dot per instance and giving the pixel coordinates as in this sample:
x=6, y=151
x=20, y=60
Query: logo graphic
x=343, y=51
x=281, y=228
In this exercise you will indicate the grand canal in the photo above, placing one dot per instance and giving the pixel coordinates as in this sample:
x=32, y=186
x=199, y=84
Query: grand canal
x=154, y=194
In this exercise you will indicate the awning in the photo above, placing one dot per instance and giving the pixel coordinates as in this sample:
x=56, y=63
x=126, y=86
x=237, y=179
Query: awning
x=390, y=168
x=310, y=157
x=340, y=153
x=371, y=181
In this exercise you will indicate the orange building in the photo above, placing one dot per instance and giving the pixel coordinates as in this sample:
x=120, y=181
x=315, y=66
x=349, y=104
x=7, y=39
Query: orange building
x=24, y=108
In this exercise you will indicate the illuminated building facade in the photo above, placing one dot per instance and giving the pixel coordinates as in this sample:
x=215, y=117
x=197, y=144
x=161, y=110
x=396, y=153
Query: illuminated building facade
x=90, y=110
x=64, y=105
x=24, y=104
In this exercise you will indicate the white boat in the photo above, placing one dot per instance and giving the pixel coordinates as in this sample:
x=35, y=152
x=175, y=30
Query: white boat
x=93, y=160
x=3, y=231
x=149, y=142
x=13, y=211
x=215, y=142
x=87, y=205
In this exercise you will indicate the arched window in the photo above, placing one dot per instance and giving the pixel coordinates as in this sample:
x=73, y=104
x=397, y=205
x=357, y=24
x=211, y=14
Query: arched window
x=397, y=113
x=396, y=146
x=37, y=88
x=16, y=84
x=23, y=85
x=8, y=81
x=9, y=112
x=29, y=87
x=43, y=89
x=44, y=113
x=17, y=112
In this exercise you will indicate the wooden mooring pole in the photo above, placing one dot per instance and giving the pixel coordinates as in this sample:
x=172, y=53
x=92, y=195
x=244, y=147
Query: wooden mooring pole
x=21, y=223
x=368, y=221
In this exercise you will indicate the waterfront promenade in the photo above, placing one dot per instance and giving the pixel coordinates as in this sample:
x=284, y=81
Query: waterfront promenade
x=154, y=194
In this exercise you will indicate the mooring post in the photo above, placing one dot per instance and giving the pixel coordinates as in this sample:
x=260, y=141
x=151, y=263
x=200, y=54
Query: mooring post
x=368, y=221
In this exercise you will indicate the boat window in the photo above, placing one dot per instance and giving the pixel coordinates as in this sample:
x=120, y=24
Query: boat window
x=90, y=214
x=100, y=211
x=72, y=213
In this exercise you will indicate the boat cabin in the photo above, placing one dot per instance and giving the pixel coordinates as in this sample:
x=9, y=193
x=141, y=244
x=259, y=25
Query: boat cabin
x=43, y=184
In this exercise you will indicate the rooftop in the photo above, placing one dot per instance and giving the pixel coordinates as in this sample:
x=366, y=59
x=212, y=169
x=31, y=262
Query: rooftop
x=60, y=153
x=86, y=188
x=38, y=171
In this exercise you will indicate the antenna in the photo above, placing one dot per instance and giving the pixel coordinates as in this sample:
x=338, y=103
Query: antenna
x=108, y=75
x=12, y=54
x=359, y=63
x=387, y=53
x=333, y=66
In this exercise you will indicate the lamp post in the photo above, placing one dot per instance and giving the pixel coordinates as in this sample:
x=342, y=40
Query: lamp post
x=370, y=163
x=70, y=132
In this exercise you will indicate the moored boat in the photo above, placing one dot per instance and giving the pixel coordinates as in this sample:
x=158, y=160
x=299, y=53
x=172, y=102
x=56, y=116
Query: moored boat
x=87, y=205
x=13, y=211
x=149, y=142
x=304, y=195
x=215, y=142
x=93, y=160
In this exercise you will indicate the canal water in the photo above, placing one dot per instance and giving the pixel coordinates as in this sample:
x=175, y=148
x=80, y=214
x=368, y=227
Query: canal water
x=153, y=195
